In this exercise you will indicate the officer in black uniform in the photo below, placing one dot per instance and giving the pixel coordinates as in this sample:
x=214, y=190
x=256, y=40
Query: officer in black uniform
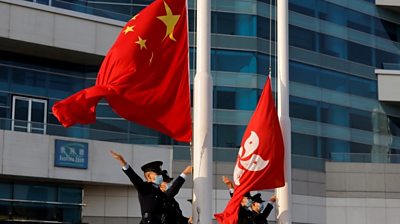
x=151, y=198
x=261, y=209
x=245, y=216
x=174, y=212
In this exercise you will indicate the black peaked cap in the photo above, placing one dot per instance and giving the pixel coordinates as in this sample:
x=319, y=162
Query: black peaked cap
x=154, y=166
x=257, y=198
x=165, y=176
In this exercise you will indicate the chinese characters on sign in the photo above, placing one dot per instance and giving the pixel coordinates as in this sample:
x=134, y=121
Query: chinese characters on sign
x=71, y=154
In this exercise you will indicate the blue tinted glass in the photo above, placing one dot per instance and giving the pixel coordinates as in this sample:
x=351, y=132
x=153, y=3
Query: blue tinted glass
x=264, y=63
x=192, y=58
x=362, y=87
x=228, y=135
x=384, y=57
x=307, y=74
x=387, y=29
x=72, y=195
x=302, y=38
x=192, y=19
x=4, y=80
x=394, y=125
x=359, y=21
x=5, y=191
x=62, y=86
x=264, y=26
x=332, y=46
x=359, y=53
x=303, y=108
x=4, y=118
x=35, y=192
x=334, y=114
x=235, y=61
x=306, y=7
x=336, y=150
x=273, y=2
x=70, y=214
x=45, y=2
x=359, y=148
x=333, y=80
x=4, y=99
x=29, y=82
x=235, y=98
x=332, y=13
x=122, y=6
x=304, y=144
x=360, y=120
x=233, y=24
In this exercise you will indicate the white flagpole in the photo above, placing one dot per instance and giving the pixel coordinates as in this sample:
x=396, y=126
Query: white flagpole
x=202, y=119
x=284, y=194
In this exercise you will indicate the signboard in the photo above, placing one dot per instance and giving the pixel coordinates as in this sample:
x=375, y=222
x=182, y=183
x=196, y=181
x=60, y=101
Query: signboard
x=71, y=154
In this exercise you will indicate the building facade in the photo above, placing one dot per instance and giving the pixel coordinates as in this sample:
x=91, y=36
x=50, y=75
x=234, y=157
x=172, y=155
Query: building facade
x=344, y=108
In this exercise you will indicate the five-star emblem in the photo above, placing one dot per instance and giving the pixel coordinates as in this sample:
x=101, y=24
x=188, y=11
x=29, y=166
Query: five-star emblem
x=141, y=42
x=128, y=29
x=170, y=21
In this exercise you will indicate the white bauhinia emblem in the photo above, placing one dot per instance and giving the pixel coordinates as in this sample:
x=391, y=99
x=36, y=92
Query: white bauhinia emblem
x=253, y=163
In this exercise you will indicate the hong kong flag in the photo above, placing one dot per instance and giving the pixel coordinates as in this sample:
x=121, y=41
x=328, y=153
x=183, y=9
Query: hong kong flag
x=260, y=161
x=144, y=76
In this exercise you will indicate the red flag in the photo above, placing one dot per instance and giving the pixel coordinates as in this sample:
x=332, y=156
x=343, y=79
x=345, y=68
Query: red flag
x=145, y=75
x=260, y=161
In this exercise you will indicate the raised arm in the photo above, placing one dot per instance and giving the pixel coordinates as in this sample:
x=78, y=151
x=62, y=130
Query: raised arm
x=135, y=179
x=268, y=207
x=178, y=182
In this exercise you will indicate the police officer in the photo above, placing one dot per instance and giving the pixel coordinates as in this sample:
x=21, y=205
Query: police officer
x=261, y=209
x=151, y=198
x=174, y=212
x=245, y=215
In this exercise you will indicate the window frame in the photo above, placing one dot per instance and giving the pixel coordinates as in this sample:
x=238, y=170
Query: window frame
x=29, y=127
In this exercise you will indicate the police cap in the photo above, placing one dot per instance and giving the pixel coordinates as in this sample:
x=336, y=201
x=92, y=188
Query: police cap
x=165, y=176
x=154, y=166
x=257, y=198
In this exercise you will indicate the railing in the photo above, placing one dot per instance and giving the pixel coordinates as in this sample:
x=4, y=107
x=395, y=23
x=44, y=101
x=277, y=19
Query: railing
x=308, y=163
x=88, y=133
x=373, y=157
x=84, y=8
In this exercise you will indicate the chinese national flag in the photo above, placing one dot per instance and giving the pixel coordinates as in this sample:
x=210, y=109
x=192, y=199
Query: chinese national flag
x=260, y=161
x=144, y=76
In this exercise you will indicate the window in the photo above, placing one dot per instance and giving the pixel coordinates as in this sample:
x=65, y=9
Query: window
x=302, y=38
x=302, y=73
x=38, y=203
x=233, y=24
x=233, y=61
x=306, y=7
x=306, y=145
x=359, y=53
x=29, y=115
x=335, y=114
x=332, y=46
x=235, y=98
x=360, y=119
x=304, y=108
x=228, y=135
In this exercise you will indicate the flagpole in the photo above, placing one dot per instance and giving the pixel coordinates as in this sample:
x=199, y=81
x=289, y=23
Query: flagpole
x=284, y=194
x=202, y=119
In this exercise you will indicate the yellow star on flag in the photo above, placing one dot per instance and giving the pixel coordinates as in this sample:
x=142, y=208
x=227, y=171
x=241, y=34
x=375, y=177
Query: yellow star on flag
x=128, y=29
x=134, y=17
x=141, y=42
x=170, y=21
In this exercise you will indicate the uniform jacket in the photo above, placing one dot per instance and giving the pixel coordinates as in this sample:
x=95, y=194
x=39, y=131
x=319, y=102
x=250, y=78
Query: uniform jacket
x=174, y=212
x=151, y=199
x=261, y=218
